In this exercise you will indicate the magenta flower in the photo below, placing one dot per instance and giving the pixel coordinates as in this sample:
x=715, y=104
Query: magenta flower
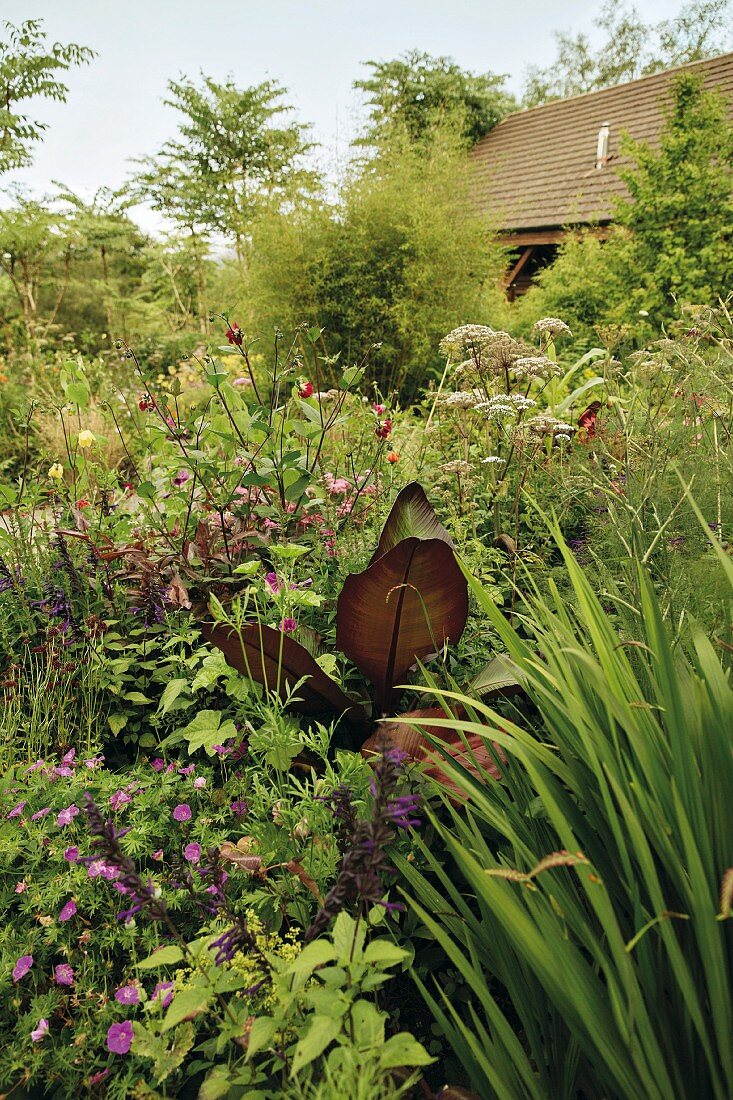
x=119, y=799
x=68, y=757
x=158, y=854
x=181, y=478
x=239, y=808
x=288, y=625
x=128, y=995
x=39, y=1032
x=94, y=762
x=64, y=771
x=192, y=852
x=182, y=812
x=68, y=911
x=187, y=771
x=119, y=1038
x=272, y=582
x=163, y=993
x=157, y=764
x=72, y=854
x=63, y=974
x=22, y=966
x=17, y=810
x=41, y=813
x=67, y=816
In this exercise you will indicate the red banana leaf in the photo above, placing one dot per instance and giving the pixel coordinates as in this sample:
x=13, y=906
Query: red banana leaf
x=406, y=604
x=411, y=516
x=278, y=662
x=413, y=742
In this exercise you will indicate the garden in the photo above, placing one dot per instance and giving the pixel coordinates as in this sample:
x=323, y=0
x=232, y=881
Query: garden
x=367, y=699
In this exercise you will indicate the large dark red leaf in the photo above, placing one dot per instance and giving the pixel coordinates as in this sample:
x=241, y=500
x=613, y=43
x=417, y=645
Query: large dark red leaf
x=477, y=759
x=278, y=663
x=411, y=516
x=406, y=604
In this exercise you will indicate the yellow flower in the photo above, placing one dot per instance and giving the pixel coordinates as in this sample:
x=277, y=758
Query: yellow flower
x=56, y=472
x=86, y=438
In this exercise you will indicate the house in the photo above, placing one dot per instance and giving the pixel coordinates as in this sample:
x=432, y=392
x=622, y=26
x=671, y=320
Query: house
x=548, y=169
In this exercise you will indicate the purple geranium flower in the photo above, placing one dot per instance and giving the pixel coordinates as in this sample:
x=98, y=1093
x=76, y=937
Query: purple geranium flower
x=22, y=966
x=163, y=992
x=182, y=812
x=68, y=911
x=17, y=810
x=72, y=854
x=118, y=799
x=39, y=1032
x=192, y=852
x=41, y=813
x=158, y=764
x=67, y=816
x=63, y=974
x=239, y=808
x=128, y=995
x=119, y=1038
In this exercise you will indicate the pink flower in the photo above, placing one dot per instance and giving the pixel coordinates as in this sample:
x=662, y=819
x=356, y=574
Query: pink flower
x=63, y=974
x=242, y=381
x=272, y=582
x=21, y=887
x=97, y=1078
x=269, y=524
x=41, y=813
x=128, y=995
x=94, y=762
x=157, y=764
x=68, y=757
x=199, y=783
x=182, y=812
x=158, y=854
x=67, y=816
x=68, y=911
x=181, y=478
x=17, y=810
x=71, y=854
x=192, y=852
x=64, y=771
x=39, y=1032
x=288, y=625
x=118, y=800
x=163, y=992
x=187, y=771
x=119, y=1038
x=378, y=409
x=22, y=966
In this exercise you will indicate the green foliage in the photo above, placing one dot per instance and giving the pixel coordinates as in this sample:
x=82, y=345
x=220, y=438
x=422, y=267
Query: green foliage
x=599, y=864
x=631, y=49
x=415, y=93
x=30, y=69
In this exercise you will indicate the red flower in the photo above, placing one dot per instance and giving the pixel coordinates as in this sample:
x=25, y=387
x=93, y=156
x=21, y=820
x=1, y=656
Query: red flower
x=146, y=403
x=587, y=420
x=82, y=504
x=235, y=335
x=305, y=388
x=383, y=428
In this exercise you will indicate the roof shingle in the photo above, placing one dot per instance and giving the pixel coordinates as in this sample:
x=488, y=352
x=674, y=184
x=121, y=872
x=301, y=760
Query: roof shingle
x=536, y=169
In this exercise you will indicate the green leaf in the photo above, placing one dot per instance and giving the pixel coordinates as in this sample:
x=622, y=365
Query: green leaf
x=217, y=1084
x=368, y=1024
x=348, y=937
x=165, y=956
x=136, y=697
x=403, y=1050
x=384, y=952
x=321, y=1033
x=172, y=690
x=260, y=1035
x=213, y=667
x=188, y=1003
x=116, y=722
x=313, y=955
x=207, y=730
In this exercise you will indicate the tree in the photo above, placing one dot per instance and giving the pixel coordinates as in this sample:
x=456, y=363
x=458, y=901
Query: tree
x=29, y=70
x=230, y=160
x=679, y=214
x=416, y=92
x=631, y=48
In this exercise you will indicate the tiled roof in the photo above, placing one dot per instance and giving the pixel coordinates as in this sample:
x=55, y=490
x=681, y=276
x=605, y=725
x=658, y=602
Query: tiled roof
x=537, y=167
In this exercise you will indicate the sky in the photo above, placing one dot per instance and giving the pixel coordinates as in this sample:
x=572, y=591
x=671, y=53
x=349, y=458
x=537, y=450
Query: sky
x=315, y=48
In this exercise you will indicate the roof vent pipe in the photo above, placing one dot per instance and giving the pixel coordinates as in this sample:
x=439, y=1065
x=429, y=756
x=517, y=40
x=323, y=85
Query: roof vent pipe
x=602, y=147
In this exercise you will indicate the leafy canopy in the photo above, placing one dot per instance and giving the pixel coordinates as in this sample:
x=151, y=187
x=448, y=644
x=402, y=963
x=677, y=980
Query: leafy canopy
x=417, y=91
x=29, y=69
x=631, y=48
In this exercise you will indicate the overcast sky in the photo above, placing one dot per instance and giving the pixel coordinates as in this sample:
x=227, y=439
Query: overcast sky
x=315, y=49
